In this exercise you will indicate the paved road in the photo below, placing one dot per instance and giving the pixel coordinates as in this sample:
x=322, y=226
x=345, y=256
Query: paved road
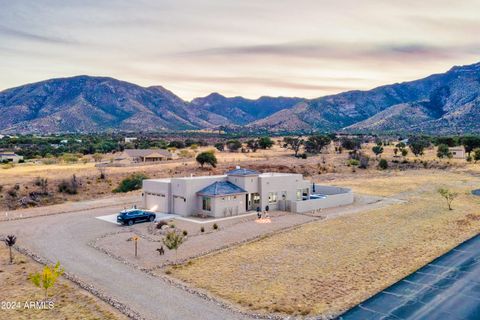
x=64, y=238
x=448, y=288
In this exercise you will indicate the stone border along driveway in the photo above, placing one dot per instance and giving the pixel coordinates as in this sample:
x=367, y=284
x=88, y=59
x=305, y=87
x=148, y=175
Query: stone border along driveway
x=88, y=287
x=197, y=291
x=204, y=294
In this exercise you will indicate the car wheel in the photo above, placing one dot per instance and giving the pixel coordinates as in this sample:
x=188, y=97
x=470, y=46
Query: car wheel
x=151, y=219
x=130, y=222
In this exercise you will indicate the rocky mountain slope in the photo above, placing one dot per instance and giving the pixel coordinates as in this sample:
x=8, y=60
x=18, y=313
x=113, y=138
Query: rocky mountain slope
x=441, y=103
x=240, y=111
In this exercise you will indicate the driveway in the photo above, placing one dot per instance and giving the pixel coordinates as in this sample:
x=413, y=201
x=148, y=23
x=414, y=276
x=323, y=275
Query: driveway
x=65, y=238
x=446, y=288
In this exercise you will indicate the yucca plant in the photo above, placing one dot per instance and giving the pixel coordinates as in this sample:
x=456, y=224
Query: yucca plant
x=10, y=242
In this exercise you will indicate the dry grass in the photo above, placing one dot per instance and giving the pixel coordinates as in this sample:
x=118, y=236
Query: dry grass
x=71, y=302
x=328, y=266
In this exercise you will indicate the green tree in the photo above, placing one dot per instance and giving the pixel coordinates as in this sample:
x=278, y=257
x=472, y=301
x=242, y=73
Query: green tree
x=470, y=143
x=476, y=154
x=207, y=157
x=443, y=151
x=253, y=145
x=47, y=278
x=234, y=145
x=448, y=195
x=133, y=182
x=265, y=142
x=383, y=164
x=418, y=145
x=293, y=143
x=173, y=240
x=378, y=150
x=316, y=143
x=351, y=143
x=10, y=241
x=220, y=146
x=404, y=152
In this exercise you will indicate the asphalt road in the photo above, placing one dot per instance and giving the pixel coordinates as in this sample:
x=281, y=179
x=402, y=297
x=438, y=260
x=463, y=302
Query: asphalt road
x=448, y=288
x=65, y=238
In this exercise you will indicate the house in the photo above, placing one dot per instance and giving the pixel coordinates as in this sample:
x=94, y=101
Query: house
x=130, y=139
x=10, y=157
x=240, y=191
x=457, y=152
x=148, y=155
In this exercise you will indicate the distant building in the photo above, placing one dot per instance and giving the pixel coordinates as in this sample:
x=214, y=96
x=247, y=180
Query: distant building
x=10, y=157
x=130, y=139
x=457, y=152
x=148, y=155
x=240, y=191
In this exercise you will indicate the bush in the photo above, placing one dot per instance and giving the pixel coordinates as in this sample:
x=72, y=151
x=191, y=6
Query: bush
x=207, y=158
x=304, y=156
x=215, y=226
x=185, y=233
x=133, y=182
x=161, y=223
x=69, y=187
x=383, y=164
x=202, y=229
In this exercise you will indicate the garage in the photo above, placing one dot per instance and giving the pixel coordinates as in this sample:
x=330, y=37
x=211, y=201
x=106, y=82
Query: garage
x=156, y=202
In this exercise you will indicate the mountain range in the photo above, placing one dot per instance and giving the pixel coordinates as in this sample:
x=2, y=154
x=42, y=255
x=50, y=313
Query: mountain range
x=446, y=103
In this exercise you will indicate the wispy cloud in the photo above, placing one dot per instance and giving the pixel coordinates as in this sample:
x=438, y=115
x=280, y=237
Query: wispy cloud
x=338, y=51
x=6, y=31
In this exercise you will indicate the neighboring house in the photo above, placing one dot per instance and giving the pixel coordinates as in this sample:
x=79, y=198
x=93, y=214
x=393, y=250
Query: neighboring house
x=457, y=152
x=130, y=139
x=10, y=157
x=148, y=155
x=240, y=191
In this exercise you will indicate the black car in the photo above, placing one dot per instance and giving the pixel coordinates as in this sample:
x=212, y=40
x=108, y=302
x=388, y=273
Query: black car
x=129, y=217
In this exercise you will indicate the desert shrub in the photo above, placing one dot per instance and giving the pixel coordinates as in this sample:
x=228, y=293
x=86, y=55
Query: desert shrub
x=161, y=223
x=172, y=225
x=383, y=164
x=202, y=229
x=215, y=226
x=363, y=160
x=69, y=186
x=133, y=182
x=304, y=156
x=185, y=233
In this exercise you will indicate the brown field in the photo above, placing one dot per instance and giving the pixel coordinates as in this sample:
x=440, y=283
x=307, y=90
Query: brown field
x=71, y=302
x=326, y=267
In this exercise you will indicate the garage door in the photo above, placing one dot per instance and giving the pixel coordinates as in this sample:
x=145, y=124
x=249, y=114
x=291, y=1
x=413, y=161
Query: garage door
x=157, y=202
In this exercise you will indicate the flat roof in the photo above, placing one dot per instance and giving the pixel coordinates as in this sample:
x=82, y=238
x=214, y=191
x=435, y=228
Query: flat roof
x=200, y=177
x=277, y=174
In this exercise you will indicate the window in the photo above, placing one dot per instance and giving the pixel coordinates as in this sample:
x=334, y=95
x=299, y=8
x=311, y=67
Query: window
x=272, y=197
x=207, y=204
x=284, y=195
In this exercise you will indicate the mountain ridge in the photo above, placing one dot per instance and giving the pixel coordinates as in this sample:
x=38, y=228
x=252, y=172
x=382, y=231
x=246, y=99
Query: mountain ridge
x=440, y=103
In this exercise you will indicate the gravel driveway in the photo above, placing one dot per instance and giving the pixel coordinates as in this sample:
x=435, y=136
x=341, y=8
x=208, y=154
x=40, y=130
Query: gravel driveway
x=65, y=238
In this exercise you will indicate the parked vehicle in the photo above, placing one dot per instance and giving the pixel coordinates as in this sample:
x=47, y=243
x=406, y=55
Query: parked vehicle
x=131, y=216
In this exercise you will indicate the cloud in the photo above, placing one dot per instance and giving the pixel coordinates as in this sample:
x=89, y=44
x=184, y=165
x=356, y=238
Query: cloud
x=340, y=51
x=33, y=36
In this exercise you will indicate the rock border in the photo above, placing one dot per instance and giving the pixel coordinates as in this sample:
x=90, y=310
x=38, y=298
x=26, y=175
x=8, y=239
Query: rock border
x=124, y=309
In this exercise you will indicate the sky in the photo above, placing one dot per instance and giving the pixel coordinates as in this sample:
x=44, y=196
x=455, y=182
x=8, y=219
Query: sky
x=303, y=48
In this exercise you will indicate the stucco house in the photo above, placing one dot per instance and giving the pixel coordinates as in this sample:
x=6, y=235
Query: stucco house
x=240, y=191
x=457, y=152
x=10, y=157
x=147, y=155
